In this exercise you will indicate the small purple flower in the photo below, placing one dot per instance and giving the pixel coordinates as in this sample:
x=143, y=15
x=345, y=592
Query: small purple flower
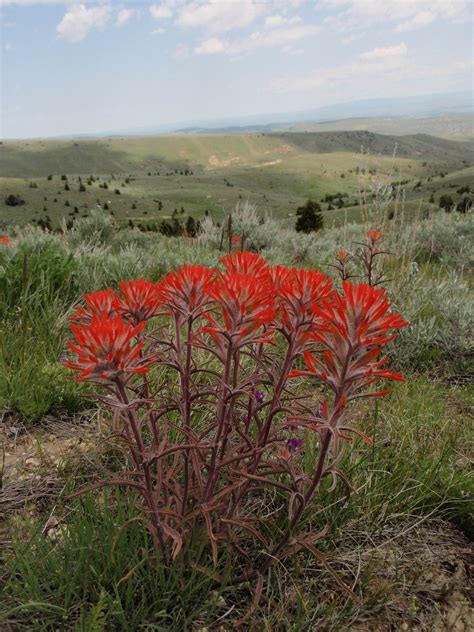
x=294, y=444
x=259, y=396
x=247, y=419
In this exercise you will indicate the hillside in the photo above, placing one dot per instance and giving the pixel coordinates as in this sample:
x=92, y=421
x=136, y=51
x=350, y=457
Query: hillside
x=124, y=155
x=450, y=126
x=418, y=146
x=147, y=179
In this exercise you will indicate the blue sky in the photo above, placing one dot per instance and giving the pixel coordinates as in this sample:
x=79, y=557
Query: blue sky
x=70, y=67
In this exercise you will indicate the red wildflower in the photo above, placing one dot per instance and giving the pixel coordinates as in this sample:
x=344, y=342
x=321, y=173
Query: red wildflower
x=104, y=348
x=301, y=294
x=342, y=255
x=5, y=240
x=236, y=239
x=374, y=234
x=245, y=263
x=140, y=300
x=186, y=290
x=358, y=324
x=97, y=303
x=246, y=305
x=361, y=315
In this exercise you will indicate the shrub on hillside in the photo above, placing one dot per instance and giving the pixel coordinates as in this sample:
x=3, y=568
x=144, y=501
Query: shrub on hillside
x=14, y=200
x=96, y=228
x=310, y=218
x=441, y=313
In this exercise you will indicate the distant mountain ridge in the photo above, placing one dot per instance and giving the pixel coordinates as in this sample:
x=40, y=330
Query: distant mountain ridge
x=419, y=146
x=459, y=103
x=394, y=108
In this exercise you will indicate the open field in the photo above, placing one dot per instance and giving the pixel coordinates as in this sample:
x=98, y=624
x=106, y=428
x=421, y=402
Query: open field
x=148, y=179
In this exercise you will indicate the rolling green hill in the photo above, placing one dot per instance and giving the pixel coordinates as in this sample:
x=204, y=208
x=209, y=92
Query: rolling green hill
x=450, y=126
x=147, y=179
x=416, y=146
x=131, y=154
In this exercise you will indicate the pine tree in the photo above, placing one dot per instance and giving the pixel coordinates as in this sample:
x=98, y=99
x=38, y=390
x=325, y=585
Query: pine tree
x=446, y=202
x=191, y=227
x=310, y=217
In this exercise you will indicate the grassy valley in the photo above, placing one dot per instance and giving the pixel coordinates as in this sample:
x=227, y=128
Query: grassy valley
x=146, y=179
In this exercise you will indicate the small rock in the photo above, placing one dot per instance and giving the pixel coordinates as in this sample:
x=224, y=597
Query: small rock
x=51, y=523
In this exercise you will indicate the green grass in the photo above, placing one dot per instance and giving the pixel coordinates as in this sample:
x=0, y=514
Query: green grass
x=36, y=288
x=96, y=571
x=88, y=571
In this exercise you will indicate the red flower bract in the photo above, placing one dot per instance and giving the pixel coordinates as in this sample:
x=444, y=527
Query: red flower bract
x=246, y=302
x=356, y=327
x=361, y=315
x=301, y=294
x=186, y=290
x=245, y=263
x=104, y=348
x=97, y=303
x=5, y=240
x=374, y=234
x=139, y=300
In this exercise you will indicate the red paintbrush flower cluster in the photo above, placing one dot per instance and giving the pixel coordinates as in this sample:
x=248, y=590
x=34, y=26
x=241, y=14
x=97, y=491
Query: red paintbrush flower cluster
x=301, y=298
x=201, y=437
x=106, y=348
x=96, y=304
x=357, y=323
x=5, y=240
x=138, y=300
x=185, y=291
x=245, y=297
x=246, y=303
x=374, y=234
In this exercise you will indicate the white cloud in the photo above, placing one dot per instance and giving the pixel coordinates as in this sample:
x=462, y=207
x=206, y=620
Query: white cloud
x=124, y=15
x=79, y=20
x=211, y=47
x=378, y=76
x=422, y=18
x=273, y=21
x=258, y=39
x=218, y=15
x=158, y=31
x=390, y=51
x=29, y=3
x=161, y=11
x=282, y=35
x=356, y=15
